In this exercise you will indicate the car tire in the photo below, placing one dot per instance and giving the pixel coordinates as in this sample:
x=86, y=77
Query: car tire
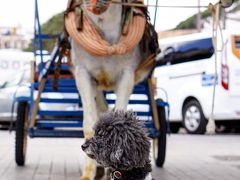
x=161, y=140
x=21, y=133
x=193, y=118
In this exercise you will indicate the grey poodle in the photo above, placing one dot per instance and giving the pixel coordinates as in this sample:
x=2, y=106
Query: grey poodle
x=121, y=144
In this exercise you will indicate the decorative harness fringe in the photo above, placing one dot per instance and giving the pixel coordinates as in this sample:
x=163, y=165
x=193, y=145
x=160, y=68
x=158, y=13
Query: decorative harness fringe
x=90, y=40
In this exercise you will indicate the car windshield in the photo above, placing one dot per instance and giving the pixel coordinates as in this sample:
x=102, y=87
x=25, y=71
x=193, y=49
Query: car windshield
x=13, y=81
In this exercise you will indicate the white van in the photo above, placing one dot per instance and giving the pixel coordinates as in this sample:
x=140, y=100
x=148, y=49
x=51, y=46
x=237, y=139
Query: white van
x=185, y=70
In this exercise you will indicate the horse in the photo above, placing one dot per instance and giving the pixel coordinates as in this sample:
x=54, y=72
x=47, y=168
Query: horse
x=117, y=69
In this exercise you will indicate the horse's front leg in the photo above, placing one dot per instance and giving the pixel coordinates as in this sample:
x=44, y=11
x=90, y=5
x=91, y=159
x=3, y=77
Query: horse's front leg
x=87, y=92
x=124, y=89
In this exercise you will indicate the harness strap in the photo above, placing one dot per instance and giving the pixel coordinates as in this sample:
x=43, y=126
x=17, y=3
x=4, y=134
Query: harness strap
x=57, y=72
x=64, y=50
x=74, y=5
x=79, y=18
x=146, y=63
x=127, y=18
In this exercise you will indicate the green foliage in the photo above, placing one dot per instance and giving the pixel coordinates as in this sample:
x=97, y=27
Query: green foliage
x=53, y=26
x=190, y=23
x=205, y=14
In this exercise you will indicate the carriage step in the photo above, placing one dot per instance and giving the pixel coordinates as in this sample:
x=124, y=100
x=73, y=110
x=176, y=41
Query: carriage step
x=71, y=82
x=59, y=124
x=55, y=133
x=79, y=113
x=141, y=102
x=49, y=89
x=63, y=100
x=70, y=88
x=142, y=113
x=60, y=113
x=61, y=90
x=62, y=83
x=54, y=118
x=64, y=67
x=78, y=101
x=74, y=90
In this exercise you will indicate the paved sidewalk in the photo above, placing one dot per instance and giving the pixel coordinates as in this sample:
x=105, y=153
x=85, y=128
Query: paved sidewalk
x=188, y=158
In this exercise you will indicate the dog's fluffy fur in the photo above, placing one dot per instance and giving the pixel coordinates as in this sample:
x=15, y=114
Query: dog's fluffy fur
x=120, y=143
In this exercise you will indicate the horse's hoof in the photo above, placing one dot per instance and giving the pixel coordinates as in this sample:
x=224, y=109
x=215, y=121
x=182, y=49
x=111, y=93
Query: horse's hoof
x=84, y=178
x=108, y=174
x=99, y=173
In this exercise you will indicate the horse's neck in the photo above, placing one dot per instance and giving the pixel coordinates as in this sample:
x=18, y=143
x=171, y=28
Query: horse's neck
x=109, y=23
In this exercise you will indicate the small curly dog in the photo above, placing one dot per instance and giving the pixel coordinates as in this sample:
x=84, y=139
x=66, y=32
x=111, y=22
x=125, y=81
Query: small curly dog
x=121, y=144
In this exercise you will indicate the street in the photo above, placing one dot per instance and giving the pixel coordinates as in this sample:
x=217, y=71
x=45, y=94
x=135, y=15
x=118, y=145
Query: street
x=189, y=157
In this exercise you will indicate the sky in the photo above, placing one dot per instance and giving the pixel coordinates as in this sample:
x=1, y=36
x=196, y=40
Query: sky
x=21, y=12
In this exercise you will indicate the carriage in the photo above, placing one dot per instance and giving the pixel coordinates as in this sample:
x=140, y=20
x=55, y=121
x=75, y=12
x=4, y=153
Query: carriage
x=53, y=85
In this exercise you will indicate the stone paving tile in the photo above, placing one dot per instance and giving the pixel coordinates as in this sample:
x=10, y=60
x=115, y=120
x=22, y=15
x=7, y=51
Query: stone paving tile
x=188, y=157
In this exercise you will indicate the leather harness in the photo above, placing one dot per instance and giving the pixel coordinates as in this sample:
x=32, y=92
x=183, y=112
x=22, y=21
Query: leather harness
x=149, y=33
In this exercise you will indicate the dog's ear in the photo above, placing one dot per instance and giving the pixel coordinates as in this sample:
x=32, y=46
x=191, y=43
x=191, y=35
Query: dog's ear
x=116, y=155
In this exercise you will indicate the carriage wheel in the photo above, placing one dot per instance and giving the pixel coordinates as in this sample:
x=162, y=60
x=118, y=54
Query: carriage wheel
x=160, y=142
x=21, y=133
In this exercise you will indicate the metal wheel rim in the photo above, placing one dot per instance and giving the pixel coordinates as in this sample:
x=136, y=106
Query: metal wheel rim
x=192, y=118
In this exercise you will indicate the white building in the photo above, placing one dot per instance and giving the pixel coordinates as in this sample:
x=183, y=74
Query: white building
x=13, y=38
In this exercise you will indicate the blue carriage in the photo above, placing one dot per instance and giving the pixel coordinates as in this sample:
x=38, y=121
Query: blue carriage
x=67, y=121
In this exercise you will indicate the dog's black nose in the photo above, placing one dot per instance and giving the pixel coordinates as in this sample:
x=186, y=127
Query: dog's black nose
x=84, y=146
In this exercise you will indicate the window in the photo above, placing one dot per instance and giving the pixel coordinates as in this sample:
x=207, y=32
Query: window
x=187, y=51
x=14, y=81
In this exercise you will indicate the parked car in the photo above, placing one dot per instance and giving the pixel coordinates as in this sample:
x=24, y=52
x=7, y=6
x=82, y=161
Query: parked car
x=19, y=85
x=185, y=70
x=7, y=92
x=11, y=60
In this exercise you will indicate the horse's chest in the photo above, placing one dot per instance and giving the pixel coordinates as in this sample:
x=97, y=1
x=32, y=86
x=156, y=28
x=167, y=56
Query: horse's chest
x=106, y=71
x=104, y=79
